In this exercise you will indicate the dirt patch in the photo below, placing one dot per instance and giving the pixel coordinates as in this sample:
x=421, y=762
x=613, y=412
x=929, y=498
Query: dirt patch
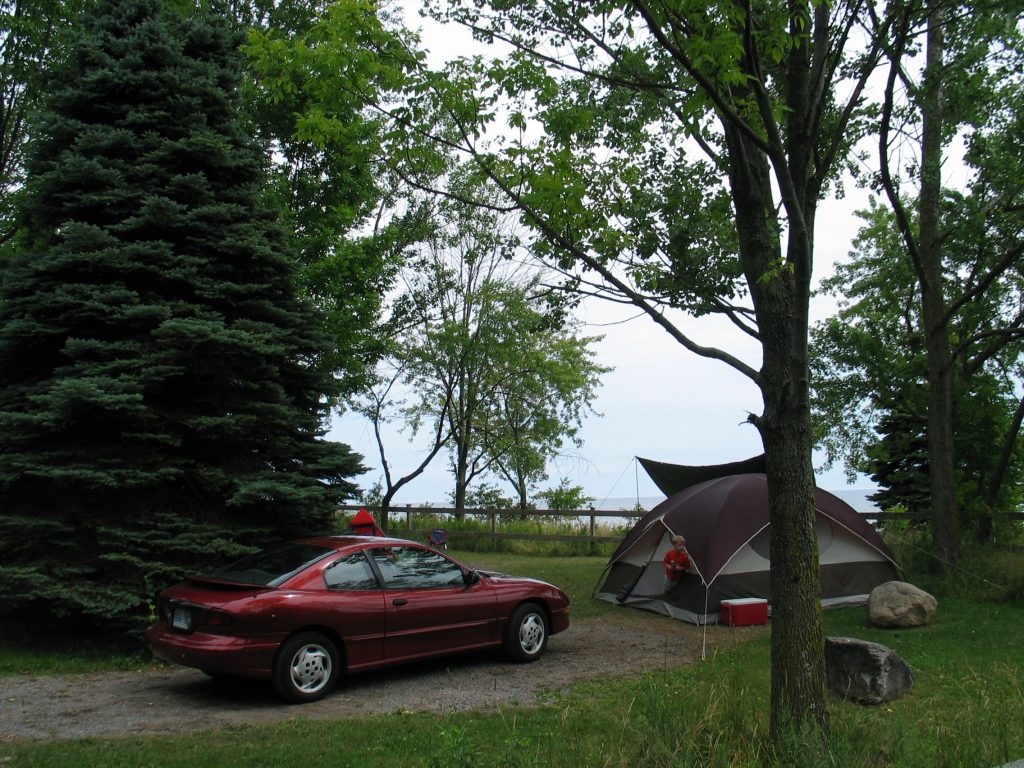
x=176, y=700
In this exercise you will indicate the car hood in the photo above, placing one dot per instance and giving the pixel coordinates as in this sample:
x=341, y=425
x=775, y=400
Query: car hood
x=507, y=578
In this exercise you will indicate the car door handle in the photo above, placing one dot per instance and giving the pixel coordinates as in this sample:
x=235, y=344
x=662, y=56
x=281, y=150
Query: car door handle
x=399, y=601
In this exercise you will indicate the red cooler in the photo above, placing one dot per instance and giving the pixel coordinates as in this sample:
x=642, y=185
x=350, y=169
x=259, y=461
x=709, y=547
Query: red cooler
x=744, y=612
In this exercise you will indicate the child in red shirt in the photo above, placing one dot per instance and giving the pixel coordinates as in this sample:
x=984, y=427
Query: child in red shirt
x=676, y=562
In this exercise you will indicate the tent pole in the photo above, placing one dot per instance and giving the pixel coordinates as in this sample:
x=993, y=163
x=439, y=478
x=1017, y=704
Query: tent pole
x=704, y=642
x=624, y=595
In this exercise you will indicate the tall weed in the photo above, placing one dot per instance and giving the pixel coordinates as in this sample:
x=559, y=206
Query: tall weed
x=988, y=572
x=420, y=525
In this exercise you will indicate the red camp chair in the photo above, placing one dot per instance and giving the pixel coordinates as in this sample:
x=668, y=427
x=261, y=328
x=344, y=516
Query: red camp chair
x=363, y=524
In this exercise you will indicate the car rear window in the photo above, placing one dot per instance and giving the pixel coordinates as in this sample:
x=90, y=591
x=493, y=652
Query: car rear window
x=273, y=566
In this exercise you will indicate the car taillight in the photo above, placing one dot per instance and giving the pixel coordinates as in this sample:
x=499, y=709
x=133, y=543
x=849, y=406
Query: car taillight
x=187, y=617
x=165, y=609
x=214, y=617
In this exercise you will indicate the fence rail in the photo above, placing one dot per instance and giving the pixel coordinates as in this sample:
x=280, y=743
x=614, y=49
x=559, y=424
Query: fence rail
x=496, y=515
x=592, y=515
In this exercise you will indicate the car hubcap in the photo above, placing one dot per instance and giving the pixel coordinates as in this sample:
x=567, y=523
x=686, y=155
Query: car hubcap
x=311, y=668
x=531, y=634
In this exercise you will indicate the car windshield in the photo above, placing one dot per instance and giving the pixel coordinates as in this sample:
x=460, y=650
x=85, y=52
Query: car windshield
x=273, y=566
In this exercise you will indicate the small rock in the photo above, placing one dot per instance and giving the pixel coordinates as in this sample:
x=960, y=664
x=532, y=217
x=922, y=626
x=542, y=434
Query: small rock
x=897, y=604
x=865, y=672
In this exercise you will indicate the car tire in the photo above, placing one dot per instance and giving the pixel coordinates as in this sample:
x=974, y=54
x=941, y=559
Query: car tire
x=526, y=635
x=306, y=668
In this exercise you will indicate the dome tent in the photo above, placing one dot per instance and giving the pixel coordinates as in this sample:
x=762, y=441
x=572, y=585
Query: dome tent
x=725, y=522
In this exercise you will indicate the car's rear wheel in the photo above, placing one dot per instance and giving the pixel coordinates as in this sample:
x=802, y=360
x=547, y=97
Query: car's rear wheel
x=306, y=668
x=526, y=635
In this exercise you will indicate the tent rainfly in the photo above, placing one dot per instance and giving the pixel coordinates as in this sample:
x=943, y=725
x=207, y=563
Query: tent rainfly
x=725, y=522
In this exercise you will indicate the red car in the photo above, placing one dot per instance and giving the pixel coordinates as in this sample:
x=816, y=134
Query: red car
x=302, y=614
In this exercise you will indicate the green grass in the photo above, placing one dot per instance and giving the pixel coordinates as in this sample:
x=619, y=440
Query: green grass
x=967, y=708
x=577, y=576
x=37, y=661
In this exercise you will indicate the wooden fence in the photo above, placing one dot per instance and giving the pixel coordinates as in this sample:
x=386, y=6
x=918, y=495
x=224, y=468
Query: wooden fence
x=591, y=516
x=495, y=516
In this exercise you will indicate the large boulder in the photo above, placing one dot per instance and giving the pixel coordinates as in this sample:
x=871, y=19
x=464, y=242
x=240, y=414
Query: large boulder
x=897, y=605
x=865, y=672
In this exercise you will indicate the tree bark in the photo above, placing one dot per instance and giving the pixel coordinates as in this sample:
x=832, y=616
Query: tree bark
x=798, y=667
x=942, y=478
x=781, y=298
x=995, y=483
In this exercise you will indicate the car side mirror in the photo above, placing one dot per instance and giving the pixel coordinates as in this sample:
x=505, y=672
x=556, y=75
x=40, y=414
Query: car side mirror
x=471, y=578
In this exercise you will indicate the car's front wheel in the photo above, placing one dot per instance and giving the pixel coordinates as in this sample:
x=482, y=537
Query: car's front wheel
x=526, y=636
x=306, y=668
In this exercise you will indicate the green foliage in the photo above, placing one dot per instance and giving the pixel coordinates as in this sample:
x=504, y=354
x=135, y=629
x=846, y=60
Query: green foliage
x=934, y=284
x=455, y=749
x=31, y=40
x=161, y=387
x=331, y=181
x=485, y=496
x=565, y=497
x=870, y=374
x=372, y=496
x=899, y=464
x=329, y=184
x=986, y=572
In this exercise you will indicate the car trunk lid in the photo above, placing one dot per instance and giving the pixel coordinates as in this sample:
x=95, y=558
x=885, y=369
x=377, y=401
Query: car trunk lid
x=203, y=601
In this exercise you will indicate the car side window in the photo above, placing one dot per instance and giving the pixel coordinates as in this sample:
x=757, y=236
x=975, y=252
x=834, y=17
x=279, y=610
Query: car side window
x=414, y=568
x=352, y=573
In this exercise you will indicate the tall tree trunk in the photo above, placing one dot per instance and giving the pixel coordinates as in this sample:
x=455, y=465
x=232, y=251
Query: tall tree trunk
x=460, y=489
x=798, y=695
x=461, y=431
x=385, y=509
x=995, y=483
x=524, y=500
x=798, y=666
x=942, y=478
x=781, y=299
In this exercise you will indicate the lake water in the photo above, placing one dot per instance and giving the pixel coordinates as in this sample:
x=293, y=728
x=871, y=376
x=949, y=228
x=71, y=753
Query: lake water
x=855, y=497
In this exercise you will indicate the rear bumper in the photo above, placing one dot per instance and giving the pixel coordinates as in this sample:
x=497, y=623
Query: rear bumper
x=243, y=657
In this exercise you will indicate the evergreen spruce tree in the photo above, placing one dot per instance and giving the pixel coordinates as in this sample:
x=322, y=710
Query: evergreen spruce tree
x=898, y=462
x=161, y=396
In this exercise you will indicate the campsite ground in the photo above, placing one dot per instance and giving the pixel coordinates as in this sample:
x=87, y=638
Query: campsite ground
x=602, y=696
x=167, y=700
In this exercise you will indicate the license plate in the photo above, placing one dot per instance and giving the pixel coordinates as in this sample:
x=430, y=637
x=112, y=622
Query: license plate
x=182, y=619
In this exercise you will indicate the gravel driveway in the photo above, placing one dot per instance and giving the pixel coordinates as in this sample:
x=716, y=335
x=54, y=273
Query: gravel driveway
x=176, y=700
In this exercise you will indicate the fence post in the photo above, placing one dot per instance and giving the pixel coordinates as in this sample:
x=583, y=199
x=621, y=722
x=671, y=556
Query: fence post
x=593, y=532
x=494, y=531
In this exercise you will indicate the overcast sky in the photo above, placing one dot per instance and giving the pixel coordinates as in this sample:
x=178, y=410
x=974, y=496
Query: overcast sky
x=661, y=402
